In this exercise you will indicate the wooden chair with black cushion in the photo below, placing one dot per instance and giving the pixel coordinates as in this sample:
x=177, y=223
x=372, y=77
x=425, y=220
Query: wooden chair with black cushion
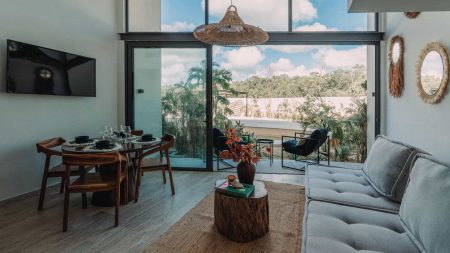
x=137, y=132
x=154, y=164
x=95, y=182
x=133, y=156
x=49, y=148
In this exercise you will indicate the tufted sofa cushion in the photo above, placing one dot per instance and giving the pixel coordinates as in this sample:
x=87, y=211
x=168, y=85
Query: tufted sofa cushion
x=387, y=166
x=425, y=209
x=335, y=228
x=345, y=186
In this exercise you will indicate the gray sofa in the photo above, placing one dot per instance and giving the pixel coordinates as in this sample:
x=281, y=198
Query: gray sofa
x=376, y=208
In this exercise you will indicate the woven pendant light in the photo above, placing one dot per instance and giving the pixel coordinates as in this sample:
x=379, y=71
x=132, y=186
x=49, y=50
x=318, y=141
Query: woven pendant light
x=231, y=31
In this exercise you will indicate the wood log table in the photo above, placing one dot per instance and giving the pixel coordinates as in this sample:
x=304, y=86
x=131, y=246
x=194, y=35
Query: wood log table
x=242, y=219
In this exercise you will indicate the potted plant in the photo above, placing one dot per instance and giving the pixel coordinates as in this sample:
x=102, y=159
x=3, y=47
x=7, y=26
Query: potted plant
x=243, y=154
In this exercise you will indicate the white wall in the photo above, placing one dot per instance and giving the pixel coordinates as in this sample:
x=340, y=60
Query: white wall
x=84, y=27
x=145, y=15
x=408, y=118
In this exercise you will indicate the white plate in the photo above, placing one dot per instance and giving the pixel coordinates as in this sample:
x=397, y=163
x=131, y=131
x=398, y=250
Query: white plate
x=68, y=144
x=156, y=140
x=93, y=149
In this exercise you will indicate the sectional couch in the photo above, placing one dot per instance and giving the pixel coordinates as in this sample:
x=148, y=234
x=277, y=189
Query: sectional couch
x=398, y=202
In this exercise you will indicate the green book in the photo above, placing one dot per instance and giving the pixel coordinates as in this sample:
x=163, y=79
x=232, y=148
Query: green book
x=230, y=190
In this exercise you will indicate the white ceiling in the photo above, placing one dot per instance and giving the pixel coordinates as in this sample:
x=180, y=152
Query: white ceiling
x=398, y=5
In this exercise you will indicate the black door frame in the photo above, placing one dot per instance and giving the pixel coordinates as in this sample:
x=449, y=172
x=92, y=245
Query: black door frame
x=130, y=91
x=186, y=40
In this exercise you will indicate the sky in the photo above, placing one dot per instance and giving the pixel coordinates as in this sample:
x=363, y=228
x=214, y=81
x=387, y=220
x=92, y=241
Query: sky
x=271, y=15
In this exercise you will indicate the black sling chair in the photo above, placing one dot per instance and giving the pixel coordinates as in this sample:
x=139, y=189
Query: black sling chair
x=306, y=145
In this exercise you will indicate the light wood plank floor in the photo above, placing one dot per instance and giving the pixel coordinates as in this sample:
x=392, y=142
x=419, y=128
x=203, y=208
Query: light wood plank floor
x=24, y=229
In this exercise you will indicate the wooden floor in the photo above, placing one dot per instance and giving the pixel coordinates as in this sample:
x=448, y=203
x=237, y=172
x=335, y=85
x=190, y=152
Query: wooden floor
x=24, y=229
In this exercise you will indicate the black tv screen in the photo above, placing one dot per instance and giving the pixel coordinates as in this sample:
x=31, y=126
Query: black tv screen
x=38, y=70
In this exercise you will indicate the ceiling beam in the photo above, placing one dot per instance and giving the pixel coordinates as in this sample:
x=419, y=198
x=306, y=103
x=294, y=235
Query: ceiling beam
x=275, y=38
x=368, y=6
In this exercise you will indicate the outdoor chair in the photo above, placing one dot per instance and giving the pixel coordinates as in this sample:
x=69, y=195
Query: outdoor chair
x=220, y=144
x=305, y=144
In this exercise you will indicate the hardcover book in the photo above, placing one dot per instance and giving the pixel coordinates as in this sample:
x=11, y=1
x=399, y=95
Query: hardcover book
x=230, y=190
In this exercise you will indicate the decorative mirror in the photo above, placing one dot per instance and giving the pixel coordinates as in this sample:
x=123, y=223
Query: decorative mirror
x=412, y=15
x=432, y=73
x=396, y=82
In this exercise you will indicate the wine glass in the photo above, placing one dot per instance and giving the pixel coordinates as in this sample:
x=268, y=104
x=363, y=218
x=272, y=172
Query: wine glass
x=111, y=133
x=128, y=130
x=102, y=134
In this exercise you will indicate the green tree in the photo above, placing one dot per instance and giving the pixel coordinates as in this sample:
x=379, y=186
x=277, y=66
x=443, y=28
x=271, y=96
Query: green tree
x=183, y=107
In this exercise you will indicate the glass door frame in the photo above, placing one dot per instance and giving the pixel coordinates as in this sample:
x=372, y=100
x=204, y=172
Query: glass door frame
x=130, y=91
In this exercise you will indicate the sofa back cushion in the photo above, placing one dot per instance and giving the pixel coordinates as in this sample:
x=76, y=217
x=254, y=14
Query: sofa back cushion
x=387, y=167
x=425, y=208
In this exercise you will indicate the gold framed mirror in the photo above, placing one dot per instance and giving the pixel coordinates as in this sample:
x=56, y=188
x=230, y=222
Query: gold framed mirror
x=396, y=76
x=432, y=73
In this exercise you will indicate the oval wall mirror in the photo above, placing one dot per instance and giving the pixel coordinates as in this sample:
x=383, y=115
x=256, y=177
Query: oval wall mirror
x=396, y=79
x=432, y=73
x=396, y=52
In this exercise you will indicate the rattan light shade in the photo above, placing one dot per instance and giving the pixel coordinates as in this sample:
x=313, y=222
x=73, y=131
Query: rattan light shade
x=231, y=31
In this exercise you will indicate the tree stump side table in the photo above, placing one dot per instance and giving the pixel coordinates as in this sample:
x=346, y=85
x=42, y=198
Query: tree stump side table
x=242, y=219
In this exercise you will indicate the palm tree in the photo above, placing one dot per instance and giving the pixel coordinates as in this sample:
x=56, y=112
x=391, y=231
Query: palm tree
x=184, y=109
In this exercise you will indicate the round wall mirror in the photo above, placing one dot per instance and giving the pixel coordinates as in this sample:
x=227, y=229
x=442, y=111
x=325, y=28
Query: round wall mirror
x=432, y=73
x=396, y=82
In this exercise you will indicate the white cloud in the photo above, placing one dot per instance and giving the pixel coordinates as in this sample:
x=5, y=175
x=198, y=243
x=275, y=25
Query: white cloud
x=303, y=10
x=242, y=58
x=331, y=58
x=177, y=62
x=178, y=27
x=316, y=27
x=270, y=15
x=218, y=51
x=285, y=67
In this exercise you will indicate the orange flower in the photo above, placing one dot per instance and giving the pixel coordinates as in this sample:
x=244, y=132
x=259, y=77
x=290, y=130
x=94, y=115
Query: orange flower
x=225, y=154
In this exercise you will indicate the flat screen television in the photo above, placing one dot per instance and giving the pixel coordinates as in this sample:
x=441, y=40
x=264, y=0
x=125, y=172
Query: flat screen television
x=38, y=70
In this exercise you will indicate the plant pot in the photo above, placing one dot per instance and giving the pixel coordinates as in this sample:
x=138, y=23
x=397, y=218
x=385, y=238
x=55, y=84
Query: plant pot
x=246, y=172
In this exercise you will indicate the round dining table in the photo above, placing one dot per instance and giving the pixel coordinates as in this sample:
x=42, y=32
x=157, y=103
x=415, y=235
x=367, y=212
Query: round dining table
x=131, y=149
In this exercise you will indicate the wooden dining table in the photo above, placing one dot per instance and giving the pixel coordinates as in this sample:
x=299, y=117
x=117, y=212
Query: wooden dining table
x=131, y=150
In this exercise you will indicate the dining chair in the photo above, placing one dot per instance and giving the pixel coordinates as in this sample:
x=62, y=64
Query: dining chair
x=133, y=156
x=48, y=147
x=154, y=164
x=137, y=132
x=95, y=182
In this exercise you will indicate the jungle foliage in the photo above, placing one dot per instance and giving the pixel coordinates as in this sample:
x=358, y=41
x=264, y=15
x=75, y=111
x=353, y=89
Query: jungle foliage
x=183, y=106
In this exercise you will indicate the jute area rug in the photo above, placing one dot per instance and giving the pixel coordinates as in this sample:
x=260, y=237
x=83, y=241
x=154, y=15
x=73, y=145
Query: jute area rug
x=195, y=232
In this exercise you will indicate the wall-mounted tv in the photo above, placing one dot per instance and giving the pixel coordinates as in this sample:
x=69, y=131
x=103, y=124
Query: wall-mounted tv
x=38, y=70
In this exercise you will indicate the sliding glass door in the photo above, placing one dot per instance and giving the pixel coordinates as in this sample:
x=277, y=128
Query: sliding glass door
x=170, y=97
